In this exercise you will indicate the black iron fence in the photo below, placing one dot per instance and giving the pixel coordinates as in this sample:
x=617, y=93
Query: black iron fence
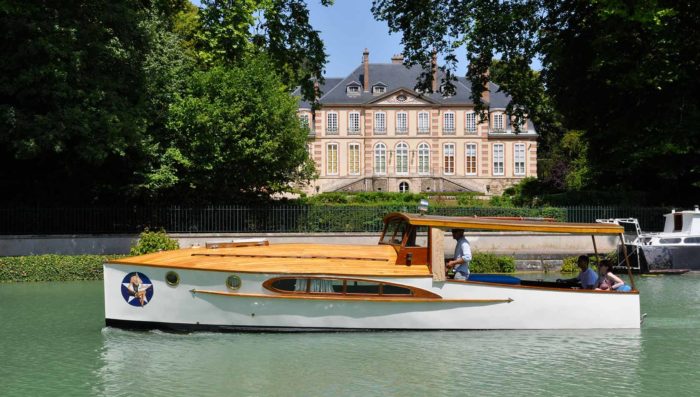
x=280, y=219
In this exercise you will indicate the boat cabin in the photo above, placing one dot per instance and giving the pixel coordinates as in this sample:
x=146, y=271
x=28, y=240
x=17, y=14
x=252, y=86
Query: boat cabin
x=683, y=222
x=419, y=239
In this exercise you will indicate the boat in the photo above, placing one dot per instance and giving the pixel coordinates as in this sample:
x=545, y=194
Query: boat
x=398, y=284
x=676, y=250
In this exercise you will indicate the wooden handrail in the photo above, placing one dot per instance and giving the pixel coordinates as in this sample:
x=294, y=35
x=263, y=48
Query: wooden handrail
x=377, y=298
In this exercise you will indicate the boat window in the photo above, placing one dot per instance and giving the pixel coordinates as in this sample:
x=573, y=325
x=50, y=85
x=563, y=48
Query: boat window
x=677, y=222
x=340, y=286
x=285, y=284
x=395, y=290
x=233, y=282
x=692, y=240
x=669, y=241
x=394, y=232
x=363, y=287
x=417, y=237
x=172, y=278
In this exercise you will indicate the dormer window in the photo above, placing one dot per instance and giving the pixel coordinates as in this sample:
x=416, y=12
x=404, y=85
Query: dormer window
x=353, y=88
x=379, y=88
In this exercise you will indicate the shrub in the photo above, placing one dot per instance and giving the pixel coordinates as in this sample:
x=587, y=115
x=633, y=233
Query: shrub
x=570, y=265
x=153, y=242
x=483, y=262
x=52, y=267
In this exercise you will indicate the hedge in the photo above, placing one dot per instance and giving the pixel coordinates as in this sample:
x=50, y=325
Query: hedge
x=52, y=267
x=483, y=262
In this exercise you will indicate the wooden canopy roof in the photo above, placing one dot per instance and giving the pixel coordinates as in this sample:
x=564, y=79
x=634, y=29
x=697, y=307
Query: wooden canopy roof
x=525, y=225
x=314, y=259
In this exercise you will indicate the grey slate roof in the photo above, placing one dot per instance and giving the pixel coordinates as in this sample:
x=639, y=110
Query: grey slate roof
x=395, y=77
x=325, y=87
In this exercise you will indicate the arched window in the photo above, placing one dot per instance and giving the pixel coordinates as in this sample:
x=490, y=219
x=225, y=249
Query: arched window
x=424, y=159
x=380, y=158
x=403, y=187
x=402, y=158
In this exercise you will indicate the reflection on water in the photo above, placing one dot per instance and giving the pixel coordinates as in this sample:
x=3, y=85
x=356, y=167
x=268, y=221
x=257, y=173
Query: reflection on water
x=399, y=363
x=53, y=343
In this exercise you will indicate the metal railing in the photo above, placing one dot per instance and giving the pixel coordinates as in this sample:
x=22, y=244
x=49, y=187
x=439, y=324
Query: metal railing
x=274, y=219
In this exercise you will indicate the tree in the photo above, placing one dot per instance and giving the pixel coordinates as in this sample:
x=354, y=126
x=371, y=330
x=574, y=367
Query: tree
x=70, y=97
x=279, y=28
x=235, y=135
x=624, y=73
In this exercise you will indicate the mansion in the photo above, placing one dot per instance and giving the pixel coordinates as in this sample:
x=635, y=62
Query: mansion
x=374, y=132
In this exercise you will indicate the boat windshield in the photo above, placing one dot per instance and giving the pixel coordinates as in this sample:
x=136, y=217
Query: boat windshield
x=394, y=231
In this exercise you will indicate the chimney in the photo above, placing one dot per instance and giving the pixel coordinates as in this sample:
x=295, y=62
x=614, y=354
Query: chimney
x=435, y=72
x=365, y=62
x=397, y=59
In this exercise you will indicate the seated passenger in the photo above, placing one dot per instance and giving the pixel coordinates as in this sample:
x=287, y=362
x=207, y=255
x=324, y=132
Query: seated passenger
x=608, y=281
x=586, y=276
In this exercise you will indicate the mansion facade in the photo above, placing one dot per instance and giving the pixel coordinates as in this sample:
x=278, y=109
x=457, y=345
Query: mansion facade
x=374, y=132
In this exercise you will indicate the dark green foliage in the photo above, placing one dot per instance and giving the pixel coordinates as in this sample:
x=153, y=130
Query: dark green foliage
x=235, y=136
x=111, y=102
x=233, y=31
x=570, y=265
x=483, y=262
x=623, y=73
x=153, y=241
x=52, y=267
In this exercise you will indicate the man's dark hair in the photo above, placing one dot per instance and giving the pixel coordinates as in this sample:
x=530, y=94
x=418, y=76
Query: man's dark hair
x=583, y=258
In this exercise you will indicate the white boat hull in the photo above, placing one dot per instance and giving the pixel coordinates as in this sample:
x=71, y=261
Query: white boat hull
x=202, y=301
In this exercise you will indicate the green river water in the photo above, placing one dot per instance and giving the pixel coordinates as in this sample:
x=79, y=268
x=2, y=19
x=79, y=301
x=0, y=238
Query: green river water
x=53, y=343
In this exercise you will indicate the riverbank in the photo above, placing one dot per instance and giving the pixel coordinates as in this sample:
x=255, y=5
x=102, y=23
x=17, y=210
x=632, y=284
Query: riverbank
x=52, y=267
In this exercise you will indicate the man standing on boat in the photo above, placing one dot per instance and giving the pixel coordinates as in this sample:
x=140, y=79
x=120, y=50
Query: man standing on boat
x=462, y=257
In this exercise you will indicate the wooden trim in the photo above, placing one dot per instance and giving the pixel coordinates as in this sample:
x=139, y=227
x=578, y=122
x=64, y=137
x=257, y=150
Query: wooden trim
x=290, y=272
x=233, y=244
x=351, y=258
x=415, y=291
x=474, y=223
x=363, y=298
x=518, y=286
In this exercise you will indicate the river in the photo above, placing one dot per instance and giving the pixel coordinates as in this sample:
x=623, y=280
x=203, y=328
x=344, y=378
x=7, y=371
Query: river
x=53, y=343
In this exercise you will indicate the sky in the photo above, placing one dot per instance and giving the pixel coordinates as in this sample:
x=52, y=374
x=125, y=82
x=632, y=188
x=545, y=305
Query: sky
x=348, y=27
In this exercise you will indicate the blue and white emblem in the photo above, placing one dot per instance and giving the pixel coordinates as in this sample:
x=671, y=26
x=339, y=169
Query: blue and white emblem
x=137, y=289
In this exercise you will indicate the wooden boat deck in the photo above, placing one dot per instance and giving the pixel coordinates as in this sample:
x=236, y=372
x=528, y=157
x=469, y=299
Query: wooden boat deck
x=345, y=260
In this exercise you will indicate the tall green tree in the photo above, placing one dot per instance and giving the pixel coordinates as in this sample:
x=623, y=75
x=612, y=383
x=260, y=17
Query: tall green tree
x=231, y=30
x=71, y=101
x=235, y=136
x=624, y=73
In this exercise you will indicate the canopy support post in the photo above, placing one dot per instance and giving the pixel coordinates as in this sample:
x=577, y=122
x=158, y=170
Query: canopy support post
x=627, y=260
x=595, y=249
